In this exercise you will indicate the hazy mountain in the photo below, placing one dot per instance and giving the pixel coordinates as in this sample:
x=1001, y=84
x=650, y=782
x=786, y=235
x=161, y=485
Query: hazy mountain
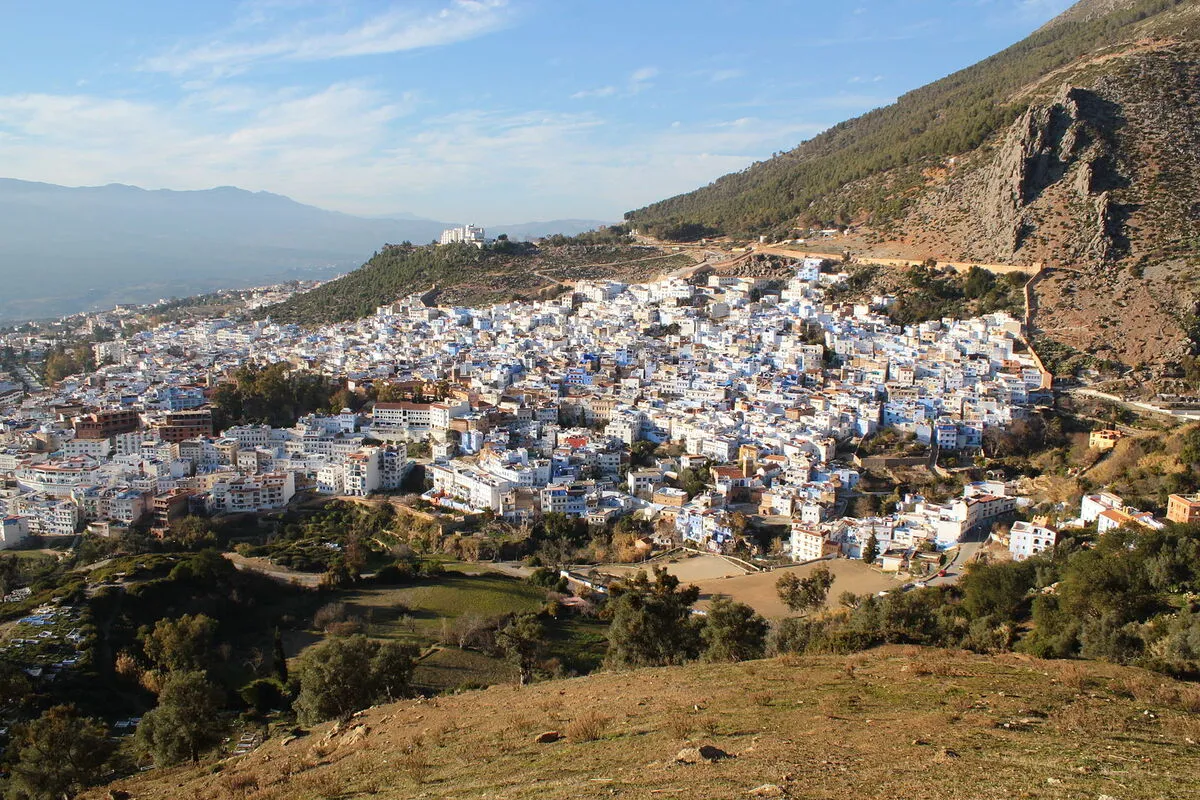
x=64, y=250
x=1078, y=147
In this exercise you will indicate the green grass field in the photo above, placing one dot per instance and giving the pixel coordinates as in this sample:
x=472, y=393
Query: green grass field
x=417, y=612
x=423, y=612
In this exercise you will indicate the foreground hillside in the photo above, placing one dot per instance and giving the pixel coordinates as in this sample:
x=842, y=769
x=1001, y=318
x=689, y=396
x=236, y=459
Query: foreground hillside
x=893, y=722
x=1076, y=148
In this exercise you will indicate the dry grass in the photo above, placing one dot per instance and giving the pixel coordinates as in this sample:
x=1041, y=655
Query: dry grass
x=884, y=733
x=680, y=725
x=1075, y=676
x=522, y=725
x=1188, y=699
x=587, y=727
x=413, y=761
x=239, y=784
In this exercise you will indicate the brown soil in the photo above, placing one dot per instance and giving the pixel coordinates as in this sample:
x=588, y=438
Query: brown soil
x=893, y=723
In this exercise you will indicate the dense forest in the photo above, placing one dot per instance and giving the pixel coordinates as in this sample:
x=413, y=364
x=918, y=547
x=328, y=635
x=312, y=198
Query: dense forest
x=808, y=186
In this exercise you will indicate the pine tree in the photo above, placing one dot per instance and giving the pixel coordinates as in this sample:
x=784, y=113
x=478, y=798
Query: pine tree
x=279, y=659
x=652, y=623
x=871, y=551
x=186, y=720
x=733, y=631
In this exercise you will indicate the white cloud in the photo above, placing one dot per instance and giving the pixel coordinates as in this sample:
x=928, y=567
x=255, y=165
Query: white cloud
x=603, y=91
x=396, y=30
x=1042, y=10
x=475, y=164
x=643, y=75
x=639, y=81
x=720, y=75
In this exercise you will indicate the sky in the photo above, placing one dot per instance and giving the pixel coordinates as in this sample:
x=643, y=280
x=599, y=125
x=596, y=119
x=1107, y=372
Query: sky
x=484, y=110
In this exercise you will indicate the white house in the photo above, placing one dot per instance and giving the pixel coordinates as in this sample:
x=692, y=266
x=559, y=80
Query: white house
x=1026, y=539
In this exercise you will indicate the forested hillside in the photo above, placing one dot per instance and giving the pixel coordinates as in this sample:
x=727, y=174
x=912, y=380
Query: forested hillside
x=808, y=185
x=467, y=275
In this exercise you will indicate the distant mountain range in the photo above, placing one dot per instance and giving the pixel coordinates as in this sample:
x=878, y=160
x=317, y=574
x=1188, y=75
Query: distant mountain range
x=65, y=250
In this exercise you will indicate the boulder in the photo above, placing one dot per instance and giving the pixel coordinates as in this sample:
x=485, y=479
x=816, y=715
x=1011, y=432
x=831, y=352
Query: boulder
x=704, y=753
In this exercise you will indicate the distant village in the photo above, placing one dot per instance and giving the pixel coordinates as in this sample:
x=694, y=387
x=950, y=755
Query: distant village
x=530, y=409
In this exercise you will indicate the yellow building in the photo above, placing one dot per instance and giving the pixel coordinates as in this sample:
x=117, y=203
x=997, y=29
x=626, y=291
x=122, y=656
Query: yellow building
x=1183, y=509
x=1104, y=440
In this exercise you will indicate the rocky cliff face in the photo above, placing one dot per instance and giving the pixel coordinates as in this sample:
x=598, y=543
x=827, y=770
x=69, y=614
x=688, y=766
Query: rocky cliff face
x=1099, y=179
x=1064, y=142
x=1060, y=156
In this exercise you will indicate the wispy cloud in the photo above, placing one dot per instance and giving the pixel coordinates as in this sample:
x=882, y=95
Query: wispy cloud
x=721, y=75
x=1041, y=10
x=643, y=75
x=639, y=81
x=296, y=142
x=396, y=30
x=603, y=91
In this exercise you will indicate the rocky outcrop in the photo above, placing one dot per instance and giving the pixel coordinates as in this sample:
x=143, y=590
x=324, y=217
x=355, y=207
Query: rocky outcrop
x=1067, y=142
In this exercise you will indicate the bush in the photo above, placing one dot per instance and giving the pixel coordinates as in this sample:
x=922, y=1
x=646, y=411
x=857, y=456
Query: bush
x=587, y=727
x=344, y=675
x=263, y=695
x=329, y=614
x=399, y=572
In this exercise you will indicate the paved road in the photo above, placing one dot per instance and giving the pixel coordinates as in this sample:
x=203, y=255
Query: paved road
x=963, y=555
x=262, y=567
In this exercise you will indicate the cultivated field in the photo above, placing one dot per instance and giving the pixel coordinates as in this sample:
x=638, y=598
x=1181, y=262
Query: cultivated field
x=714, y=575
x=429, y=612
x=688, y=567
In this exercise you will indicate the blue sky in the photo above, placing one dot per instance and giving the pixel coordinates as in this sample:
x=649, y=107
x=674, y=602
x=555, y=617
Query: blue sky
x=490, y=110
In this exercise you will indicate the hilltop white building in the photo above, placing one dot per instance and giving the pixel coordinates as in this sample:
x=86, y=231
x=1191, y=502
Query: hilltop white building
x=469, y=234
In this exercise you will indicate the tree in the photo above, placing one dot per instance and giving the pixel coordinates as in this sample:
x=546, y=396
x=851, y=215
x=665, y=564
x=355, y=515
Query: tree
x=733, y=631
x=652, y=622
x=523, y=642
x=392, y=669
x=344, y=675
x=279, y=658
x=641, y=453
x=186, y=720
x=871, y=551
x=15, y=688
x=998, y=590
x=10, y=574
x=807, y=593
x=59, y=754
x=193, y=532
x=182, y=644
x=693, y=481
